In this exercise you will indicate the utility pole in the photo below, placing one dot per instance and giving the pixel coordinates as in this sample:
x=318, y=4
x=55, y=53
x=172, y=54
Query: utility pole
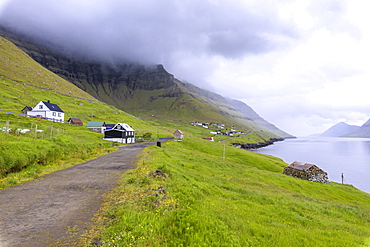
x=342, y=178
x=7, y=127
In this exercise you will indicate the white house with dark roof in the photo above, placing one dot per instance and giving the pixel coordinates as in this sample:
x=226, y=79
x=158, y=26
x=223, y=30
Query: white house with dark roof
x=121, y=132
x=48, y=111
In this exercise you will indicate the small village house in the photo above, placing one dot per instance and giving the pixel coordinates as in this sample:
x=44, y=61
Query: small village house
x=121, y=132
x=178, y=134
x=96, y=126
x=46, y=110
x=306, y=171
x=26, y=109
x=75, y=121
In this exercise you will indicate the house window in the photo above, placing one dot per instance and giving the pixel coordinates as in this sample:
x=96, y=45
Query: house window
x=59, y=114
x=40, y=106
x=54, y=114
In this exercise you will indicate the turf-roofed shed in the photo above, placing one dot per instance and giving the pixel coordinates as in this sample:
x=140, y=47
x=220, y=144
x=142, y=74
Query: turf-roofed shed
x=306, y=171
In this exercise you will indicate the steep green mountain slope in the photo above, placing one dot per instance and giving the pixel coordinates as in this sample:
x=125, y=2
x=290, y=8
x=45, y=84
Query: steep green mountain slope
x=29, y=146
x=148, y=92
x=248, y=111
x=24, y=82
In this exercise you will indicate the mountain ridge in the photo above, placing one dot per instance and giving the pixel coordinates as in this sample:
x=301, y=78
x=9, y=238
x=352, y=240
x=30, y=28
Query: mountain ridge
x=149, y=92
x=340, y=129
x=248, y=111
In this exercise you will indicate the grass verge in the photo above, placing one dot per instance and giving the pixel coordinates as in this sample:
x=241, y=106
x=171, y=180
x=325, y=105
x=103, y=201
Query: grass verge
x=44, y=148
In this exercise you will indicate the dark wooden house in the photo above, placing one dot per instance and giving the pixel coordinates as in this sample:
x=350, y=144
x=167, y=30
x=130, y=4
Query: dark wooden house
x=121, y=132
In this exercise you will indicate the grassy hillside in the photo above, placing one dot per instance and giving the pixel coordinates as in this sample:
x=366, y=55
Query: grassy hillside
x=23, y=82
x=149, y=92
x=199, y=199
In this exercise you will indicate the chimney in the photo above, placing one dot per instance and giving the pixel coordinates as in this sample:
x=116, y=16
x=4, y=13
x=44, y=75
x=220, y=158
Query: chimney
x=48, y=101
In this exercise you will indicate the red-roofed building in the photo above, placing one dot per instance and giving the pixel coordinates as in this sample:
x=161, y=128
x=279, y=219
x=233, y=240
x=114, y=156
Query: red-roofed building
x=178, y=134
x=75, y=121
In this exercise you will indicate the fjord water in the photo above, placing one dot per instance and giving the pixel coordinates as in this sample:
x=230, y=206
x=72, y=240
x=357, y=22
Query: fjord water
x=350, y=156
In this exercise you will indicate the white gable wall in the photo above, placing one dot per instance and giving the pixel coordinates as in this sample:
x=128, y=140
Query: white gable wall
x=41, y=110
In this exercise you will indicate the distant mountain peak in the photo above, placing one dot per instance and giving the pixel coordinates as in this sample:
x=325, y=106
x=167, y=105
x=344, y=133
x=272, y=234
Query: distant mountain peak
x=340, y=129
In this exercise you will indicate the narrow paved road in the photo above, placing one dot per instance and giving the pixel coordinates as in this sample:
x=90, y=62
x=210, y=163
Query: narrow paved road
x=54, y=210
x=237, y=137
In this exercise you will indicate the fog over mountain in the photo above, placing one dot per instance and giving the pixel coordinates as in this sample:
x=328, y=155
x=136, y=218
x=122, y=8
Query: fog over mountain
x=148, y=31
x=301, y=65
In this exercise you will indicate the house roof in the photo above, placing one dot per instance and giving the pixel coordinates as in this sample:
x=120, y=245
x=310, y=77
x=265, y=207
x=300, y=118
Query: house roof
x=179, y=131
x=300, y=166
x=52, y=107
x=125, y=127
x=29, y=108
x=95, y=124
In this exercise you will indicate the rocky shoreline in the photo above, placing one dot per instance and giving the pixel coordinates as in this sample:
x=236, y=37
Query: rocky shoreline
x=257, y=145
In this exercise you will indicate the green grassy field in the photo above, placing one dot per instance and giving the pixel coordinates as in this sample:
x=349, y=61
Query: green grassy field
x=244, y=200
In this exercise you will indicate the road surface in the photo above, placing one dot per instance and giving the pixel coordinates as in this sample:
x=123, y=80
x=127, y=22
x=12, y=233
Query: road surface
x=55, y=209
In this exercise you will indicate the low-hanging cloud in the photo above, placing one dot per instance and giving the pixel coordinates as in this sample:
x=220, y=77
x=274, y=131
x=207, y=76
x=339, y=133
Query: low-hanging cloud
x=148, y=31
x=303, y=65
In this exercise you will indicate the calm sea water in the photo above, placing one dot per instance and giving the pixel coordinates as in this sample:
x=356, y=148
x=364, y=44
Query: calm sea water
x=350, y=156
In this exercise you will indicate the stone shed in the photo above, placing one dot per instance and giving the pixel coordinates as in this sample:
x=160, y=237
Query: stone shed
x=306, y=171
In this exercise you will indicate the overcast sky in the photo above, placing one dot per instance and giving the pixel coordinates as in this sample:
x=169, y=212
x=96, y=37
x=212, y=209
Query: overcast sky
x=303, y=65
